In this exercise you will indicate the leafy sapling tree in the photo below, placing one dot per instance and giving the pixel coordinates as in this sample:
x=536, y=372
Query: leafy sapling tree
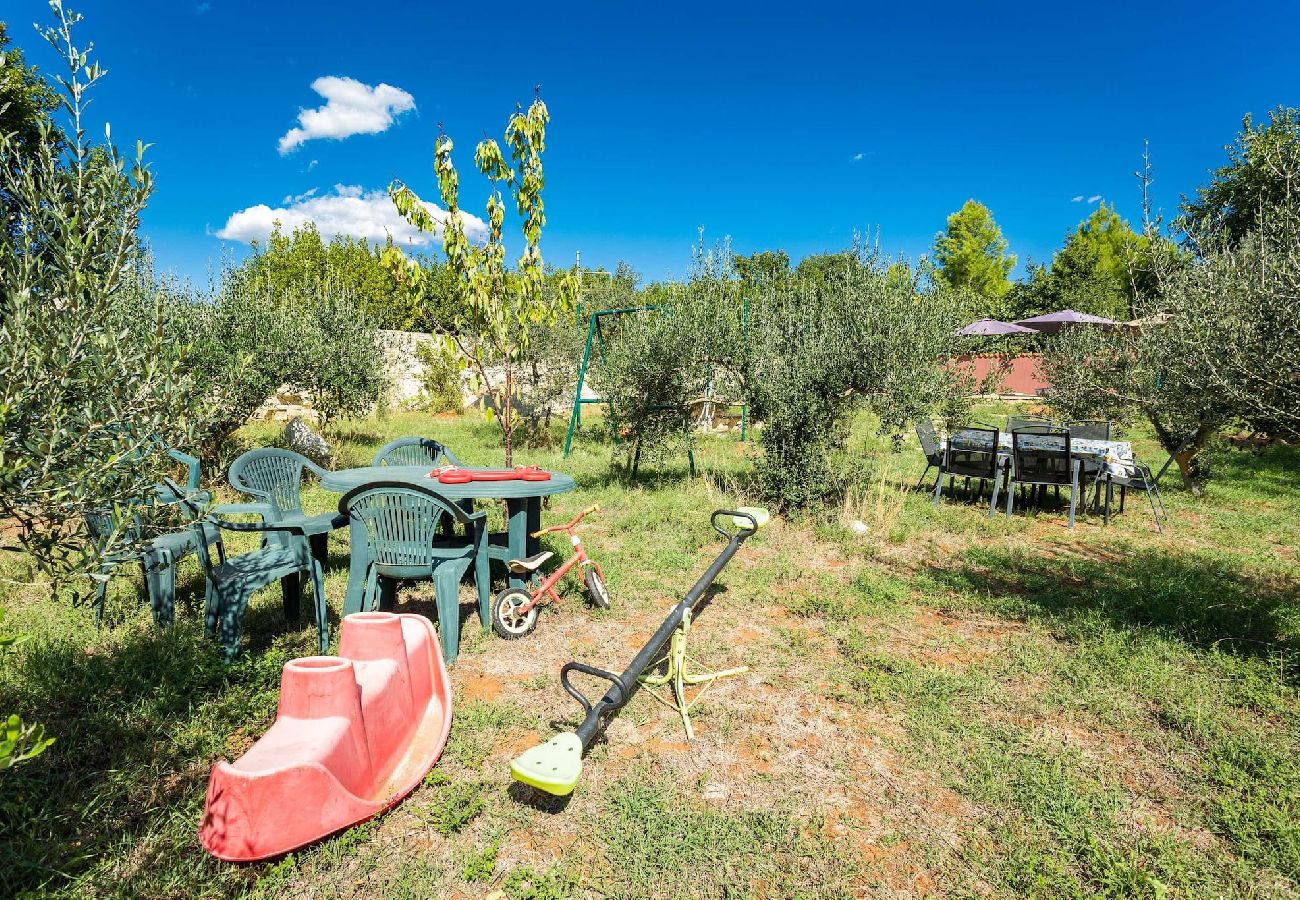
x=499, y=308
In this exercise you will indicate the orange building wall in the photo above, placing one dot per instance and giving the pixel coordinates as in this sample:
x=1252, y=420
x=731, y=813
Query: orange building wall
x=1023, y=376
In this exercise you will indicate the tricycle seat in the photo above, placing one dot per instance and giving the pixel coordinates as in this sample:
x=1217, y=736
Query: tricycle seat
x=530, y=564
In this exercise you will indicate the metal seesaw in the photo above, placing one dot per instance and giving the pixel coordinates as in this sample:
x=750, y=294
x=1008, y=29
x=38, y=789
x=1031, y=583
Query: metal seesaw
x=556, y=765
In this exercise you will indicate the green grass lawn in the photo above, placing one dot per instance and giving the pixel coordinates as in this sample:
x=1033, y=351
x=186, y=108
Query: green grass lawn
x=946, y=706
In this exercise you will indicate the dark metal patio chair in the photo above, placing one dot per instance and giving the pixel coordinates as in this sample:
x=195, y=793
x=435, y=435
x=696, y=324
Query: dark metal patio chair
x=1042, y=459
x=1134, y=475
x=1089, y=429
x=1018, y=423
x=971, y=453
x=930, y=446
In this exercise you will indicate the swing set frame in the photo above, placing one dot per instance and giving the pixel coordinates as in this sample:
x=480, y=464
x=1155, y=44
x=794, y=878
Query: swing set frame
x=596, y=340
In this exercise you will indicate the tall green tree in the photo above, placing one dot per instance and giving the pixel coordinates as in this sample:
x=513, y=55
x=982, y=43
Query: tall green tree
x=303, y=264
x=26, y=104
x=823, y=267
x=971, y=253
x=1219, y=346
x=1102, y=268
x=1262, y=170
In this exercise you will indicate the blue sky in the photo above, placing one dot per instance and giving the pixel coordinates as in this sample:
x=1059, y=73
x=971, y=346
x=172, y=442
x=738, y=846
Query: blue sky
x=781, y=127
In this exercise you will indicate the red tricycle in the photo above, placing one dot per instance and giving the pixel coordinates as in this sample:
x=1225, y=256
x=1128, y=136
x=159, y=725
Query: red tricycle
x=514, y=611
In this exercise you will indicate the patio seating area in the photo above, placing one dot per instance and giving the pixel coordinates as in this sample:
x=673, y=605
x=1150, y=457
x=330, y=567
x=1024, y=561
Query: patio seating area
x=1032, y=454
x=405, y=525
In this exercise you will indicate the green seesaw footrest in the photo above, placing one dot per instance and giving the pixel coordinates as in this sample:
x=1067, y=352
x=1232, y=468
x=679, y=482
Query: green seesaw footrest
x=554, y=766
x=760, y=515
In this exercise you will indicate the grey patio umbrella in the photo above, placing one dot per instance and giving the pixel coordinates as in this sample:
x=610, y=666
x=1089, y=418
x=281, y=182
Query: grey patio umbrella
x=1054, y=322
x=992, y=326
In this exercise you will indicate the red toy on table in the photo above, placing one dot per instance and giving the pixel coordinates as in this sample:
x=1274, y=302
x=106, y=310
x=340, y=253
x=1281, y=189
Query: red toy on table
x=458, y=475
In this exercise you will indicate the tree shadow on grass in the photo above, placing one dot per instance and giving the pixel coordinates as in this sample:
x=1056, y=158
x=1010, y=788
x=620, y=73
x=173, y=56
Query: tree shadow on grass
x=137, y=725
x=649, y=478
x=1209, y=601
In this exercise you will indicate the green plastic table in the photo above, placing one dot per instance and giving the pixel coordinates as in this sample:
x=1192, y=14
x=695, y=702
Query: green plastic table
x=523, y=506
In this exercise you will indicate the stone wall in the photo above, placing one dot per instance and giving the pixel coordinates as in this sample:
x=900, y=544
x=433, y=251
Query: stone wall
x=402, y=364
x=402, y=369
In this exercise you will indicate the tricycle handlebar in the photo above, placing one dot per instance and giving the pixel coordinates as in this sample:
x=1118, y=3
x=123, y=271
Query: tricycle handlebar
x=595, y=507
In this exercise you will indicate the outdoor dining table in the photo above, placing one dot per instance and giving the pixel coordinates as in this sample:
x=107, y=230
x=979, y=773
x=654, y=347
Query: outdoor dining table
x=523, y=509
x=1115, y=456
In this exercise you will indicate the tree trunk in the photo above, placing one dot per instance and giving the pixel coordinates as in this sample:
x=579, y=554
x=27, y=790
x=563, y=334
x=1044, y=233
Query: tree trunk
x=1184, y=461
x=1187, y=459
x=507, y=416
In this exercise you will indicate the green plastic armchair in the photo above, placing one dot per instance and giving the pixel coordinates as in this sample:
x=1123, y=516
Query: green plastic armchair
x=415, y=451
x=157, y=556
x=401, y=523
x=233, y=580
x=273, y=477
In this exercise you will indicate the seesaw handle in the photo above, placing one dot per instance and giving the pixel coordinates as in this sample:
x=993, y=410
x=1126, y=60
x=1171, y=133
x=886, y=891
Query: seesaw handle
x=598, y=673
x=734, y=514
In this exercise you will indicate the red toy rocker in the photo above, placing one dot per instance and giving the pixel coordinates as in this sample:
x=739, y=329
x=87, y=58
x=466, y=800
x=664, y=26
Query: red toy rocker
x=459, y=475
x=355, y=733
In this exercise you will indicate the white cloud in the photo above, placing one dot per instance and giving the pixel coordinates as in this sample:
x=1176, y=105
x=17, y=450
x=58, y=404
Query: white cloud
x=294, y=199
x=858, y=157
x=311, y=165
x=1078, y=199
x=1094, y=198
x=348, y=209
x=350, y=108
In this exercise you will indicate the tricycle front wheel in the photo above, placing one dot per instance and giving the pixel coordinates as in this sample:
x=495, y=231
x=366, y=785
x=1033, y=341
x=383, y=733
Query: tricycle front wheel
x=596, y=588
x=507, y=620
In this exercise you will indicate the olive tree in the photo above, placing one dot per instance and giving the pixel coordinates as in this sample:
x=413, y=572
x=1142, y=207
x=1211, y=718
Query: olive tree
x=817, y=351
x=89, y=392
x=1220, y=337
x=804, y=352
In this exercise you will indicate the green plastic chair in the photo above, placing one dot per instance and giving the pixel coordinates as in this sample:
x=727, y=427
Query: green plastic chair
x=415, y=451
x=401, y=523
x=421, y=451
x=157, y=556
x=273, y=477
x=233, y=580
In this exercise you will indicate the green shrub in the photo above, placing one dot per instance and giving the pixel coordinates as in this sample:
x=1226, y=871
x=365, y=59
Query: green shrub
x=654, y=365
x=862, y=334
x=246, y=341
x=340, y=363
x=439, y=378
